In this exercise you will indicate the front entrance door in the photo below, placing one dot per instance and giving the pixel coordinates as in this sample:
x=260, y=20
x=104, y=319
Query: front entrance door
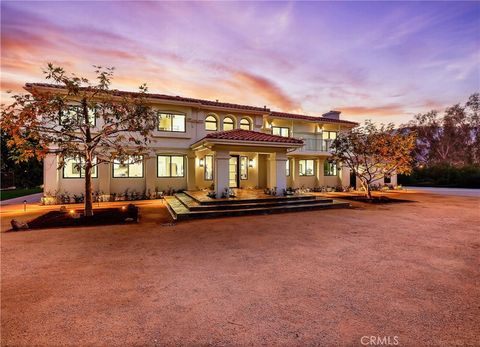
x=233, y=172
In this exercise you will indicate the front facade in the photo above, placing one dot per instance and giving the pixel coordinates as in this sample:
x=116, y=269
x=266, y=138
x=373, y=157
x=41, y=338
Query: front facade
x=201, y=144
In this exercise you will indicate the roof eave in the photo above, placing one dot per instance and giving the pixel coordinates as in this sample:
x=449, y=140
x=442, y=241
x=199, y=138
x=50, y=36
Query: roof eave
x=205, y=142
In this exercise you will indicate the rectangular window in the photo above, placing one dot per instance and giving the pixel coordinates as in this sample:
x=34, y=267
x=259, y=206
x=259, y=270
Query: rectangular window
x=387, y=179
x=131, y=167
x=73, y=115
x=281, y=131
x=171, y=122
x=287, y=167
x=75, y=168
x=330, y=168
x=244, y=168
x=170, y=165
x=328, y=137
x=306, y=167
x=208, y=168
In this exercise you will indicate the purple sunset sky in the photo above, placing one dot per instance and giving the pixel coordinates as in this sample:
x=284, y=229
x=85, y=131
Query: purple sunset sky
x=377, y=60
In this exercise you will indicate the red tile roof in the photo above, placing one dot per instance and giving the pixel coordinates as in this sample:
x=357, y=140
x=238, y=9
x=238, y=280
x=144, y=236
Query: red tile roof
x=202, y=102
x=249, y=135
x=308, y=118
x=164, y=97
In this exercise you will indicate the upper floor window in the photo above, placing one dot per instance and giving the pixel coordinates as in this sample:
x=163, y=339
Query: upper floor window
x=74, y=114
x=228, y=124
x=170, y=165
x=211, y=123
x=171, y=122
x=282, y=131
x=306, y=167
x=330, y=168
x=75, y=168
x=131, y=167
x=245, y=124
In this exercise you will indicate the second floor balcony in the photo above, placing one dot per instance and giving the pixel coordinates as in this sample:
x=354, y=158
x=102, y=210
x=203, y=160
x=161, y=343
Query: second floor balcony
x=316, y=145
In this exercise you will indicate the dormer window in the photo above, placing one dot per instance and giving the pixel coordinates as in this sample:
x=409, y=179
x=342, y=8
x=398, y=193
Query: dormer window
x=228, y=124
x=211, y=123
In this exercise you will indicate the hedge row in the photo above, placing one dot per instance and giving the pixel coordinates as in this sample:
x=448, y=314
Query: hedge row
x=443, y=176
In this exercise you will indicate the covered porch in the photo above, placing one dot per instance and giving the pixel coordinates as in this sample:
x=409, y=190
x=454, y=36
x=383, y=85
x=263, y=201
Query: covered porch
x=240, y=159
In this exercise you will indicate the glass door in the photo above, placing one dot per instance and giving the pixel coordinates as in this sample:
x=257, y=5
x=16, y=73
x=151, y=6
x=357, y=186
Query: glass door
x=233, y=172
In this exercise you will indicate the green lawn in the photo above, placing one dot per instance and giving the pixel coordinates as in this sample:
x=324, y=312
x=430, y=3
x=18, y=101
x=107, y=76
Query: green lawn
x=15, y=193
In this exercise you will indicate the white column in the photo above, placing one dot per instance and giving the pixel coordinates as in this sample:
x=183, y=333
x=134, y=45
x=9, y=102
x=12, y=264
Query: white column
x=345, y=176
x=50, y=174
x=280, y=172
x=104, y=176
x=221, y=178
x=191, y=181
x=319, y=179
x=150, y=173
x=271, y=171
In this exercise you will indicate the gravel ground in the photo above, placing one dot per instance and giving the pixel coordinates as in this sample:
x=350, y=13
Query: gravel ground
x=410, y=270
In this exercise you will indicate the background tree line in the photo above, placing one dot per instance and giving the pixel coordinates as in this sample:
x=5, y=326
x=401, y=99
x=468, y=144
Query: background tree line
x=447, y=151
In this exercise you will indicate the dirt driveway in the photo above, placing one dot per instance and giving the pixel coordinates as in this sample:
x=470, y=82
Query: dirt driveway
x=410, y=270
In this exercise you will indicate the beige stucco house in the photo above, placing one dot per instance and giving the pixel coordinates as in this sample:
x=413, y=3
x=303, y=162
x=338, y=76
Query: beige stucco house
x=200, y=144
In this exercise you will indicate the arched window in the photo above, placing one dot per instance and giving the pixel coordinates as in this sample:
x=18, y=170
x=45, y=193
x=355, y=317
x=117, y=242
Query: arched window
x=245, y=124
x=211, y=123
x=228, y=123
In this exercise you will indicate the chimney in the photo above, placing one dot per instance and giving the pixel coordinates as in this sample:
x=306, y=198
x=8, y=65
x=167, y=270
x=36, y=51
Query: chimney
x=332, y=114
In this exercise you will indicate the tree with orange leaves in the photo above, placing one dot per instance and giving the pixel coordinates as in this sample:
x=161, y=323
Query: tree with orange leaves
x=80, y=120
x=373, y=152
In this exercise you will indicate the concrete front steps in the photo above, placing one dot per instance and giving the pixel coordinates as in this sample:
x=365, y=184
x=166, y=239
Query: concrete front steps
x=183, y=206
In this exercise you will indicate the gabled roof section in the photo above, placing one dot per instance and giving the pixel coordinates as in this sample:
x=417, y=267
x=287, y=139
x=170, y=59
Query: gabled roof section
x=308, y=118
x=199, y=102
x=250, y=135
x=248, y=138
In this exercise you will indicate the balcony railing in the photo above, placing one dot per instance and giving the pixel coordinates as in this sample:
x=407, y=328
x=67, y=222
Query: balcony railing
x=316, y=145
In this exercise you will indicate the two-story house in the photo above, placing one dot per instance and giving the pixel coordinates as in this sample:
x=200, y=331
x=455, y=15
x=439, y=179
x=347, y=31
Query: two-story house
x=200, y=144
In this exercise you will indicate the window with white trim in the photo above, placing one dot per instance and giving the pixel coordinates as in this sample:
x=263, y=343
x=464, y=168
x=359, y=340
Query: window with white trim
x=245, y=124
x=75, y=168
x=244, y=168
x=281, y=131
x=211, y=123
x=132, y=167
x=173, y=122
x=228, y=124
x=170, y=165
x=208, y=168
x=306, y=167
x=330, y=168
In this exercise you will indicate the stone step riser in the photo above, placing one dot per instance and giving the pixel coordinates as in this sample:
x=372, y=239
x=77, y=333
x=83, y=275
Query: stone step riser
x=233, y=213
x=244, y=201
x=229, y=207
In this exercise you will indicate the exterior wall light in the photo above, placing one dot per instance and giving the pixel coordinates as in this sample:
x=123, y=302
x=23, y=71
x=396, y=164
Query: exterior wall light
x=201, y=162
x=250, y=163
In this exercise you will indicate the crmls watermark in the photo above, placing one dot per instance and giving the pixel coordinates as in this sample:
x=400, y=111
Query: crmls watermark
x=379, y=340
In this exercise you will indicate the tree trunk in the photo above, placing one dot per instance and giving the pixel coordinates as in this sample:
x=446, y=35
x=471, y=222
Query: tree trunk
x=88, y=189
x=366, y=186
x=369, y=192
